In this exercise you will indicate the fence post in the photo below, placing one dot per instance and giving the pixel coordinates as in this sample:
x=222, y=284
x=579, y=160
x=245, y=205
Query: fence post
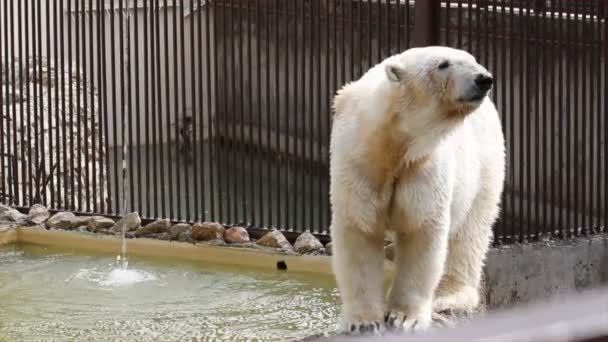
x=426, y=24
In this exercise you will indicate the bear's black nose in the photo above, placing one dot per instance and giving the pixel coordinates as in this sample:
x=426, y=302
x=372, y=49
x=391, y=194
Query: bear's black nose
x=484, y=82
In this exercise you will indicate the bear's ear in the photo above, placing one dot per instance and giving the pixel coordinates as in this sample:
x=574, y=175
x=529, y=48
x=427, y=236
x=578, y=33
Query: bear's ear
x=394, y=72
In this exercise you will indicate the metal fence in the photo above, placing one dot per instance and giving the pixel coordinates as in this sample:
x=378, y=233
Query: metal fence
x=222, y=108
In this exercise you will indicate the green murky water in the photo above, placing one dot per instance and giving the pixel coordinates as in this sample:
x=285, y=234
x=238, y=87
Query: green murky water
x=48, y=294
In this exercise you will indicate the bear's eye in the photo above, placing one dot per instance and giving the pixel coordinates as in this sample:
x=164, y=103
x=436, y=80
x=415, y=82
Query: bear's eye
x=444, y=65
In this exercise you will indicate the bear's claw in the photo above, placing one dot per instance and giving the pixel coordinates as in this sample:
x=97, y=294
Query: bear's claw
x=401, y=322
x=365, y=328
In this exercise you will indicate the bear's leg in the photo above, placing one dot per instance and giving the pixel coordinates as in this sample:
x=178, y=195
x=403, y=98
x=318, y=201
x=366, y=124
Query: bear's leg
x=358, y=264
x=419, y=261
x=458, y=290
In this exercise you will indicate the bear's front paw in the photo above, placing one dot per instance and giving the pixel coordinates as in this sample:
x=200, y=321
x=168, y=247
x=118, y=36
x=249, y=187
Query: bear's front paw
x=403, y=321
x=364, y=328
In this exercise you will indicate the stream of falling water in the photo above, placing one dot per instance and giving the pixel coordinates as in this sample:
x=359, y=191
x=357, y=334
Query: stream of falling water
x=122, y=259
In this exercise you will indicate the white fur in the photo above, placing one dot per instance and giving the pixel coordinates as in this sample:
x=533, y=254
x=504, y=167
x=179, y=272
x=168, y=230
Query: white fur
x=411, y=154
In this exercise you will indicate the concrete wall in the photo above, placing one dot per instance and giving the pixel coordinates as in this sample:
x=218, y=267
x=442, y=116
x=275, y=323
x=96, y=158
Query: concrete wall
x=517, y=274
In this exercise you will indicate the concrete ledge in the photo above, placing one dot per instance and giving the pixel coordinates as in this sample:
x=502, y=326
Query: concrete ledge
x=521, y=273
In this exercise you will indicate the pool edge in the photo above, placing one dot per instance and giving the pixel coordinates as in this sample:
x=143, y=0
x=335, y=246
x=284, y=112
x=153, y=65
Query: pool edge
x=7, y=236
x=178, y=250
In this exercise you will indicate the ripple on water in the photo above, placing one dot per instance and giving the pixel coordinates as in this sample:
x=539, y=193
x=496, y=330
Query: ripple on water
x=53, y=295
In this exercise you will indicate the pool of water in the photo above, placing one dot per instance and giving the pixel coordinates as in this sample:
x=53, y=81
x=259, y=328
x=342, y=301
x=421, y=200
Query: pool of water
x=56, y=295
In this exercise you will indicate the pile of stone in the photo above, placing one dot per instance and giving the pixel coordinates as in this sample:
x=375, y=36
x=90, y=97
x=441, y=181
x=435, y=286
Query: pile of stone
x=37, y=112
x=210, y=233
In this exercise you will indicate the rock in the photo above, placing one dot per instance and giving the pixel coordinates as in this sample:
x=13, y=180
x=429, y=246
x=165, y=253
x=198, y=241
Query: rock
x=65, y=216
x=329, y=248
x=106, y=231
x=216, y=242
x=156, y=227
x=11, y=215
x=274, y=239
x=96, y=223
x=38, y=214
x=389, y=252
x=236, y=235
x=178, y=229
x=4, y=227
x=71, y=222
x=307, y=243
x=131, y=222
x=185, y=237
x=208, y=231
x=160, y=236
x=83, y=229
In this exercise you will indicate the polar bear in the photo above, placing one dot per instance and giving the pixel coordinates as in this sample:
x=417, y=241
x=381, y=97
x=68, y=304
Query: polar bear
x=416, y=148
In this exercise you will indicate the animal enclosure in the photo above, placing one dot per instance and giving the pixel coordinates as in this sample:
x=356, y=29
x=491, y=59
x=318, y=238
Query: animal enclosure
x=223, y=107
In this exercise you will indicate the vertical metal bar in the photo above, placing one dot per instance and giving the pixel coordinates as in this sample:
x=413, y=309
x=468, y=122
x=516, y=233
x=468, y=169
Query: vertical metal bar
x=319, y=139
x=605, y=97
x=184, y=160
x=220, y=26
x=389, y=42
x=232, y=125
x=398, y=20
x=511, y=122
x=66, y=169
x=311, y=116
x=538, y=24
x=86, y=180
x=569, y=125
x=250, y=142
x=76, y=185
x=426, y=30
x=599, y=51
x=448, y=5
x=244, y=144
x=522, y=154
x=593, y=73
x=503, y=101
x=33, y=144
x=173, y=214
x=288, y=112
x=544, y=64
x=94, y=114
x=4, y=116
x=584, y=111
x=378, y=25
x=370, y=41
x=73, y=149
x=298, y=110
x=268, y=97
x=22, y=126
x=104, y=105
x=208, y=62
x=561, y=120
x=156, y=105
x=14, y=192
x=194, y=15
x=134, y=93
x=552, y=122
x=7, y=188
x=56, y=191
x=576, y=107
x=167, y=143
x=26, y=125
x=148, y=67
x=114, y=107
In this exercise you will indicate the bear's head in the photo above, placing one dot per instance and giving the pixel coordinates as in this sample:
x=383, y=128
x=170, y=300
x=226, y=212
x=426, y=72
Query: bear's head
x=439, y=82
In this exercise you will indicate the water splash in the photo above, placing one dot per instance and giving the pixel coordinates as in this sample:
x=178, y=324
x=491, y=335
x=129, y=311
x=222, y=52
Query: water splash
x=115, y=277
